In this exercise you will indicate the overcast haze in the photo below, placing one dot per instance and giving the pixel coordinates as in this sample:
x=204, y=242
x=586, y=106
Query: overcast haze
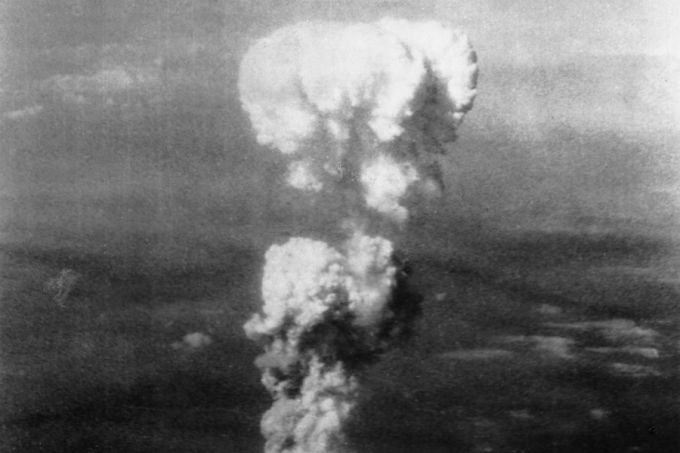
x=124, y=117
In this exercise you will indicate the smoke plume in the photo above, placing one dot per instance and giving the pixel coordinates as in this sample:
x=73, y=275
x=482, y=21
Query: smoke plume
x=360, y=110
x=335, y=96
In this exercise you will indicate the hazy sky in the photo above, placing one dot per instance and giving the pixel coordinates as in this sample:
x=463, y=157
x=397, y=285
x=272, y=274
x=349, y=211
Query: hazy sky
x=577, y=108
x=44, y=38
x=519, y=28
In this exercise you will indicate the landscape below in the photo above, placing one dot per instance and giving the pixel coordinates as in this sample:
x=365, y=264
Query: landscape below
x=531, y=341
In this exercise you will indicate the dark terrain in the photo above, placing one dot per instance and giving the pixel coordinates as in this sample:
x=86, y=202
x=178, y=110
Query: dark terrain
x=532, y=342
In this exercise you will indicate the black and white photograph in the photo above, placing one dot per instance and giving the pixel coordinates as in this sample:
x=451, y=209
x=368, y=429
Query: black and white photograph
x=340, y=226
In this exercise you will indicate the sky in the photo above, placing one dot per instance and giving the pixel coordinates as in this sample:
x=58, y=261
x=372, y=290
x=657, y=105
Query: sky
x=502, y=29
x=123, y=115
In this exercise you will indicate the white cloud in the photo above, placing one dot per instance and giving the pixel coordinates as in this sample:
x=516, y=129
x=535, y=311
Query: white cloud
x=101, y=85
x=26, y=112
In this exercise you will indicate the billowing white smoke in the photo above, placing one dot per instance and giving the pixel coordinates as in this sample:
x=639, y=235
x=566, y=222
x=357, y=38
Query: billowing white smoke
x=357, y=108
x=385, y=181
x=325, y=313
x=333, y=95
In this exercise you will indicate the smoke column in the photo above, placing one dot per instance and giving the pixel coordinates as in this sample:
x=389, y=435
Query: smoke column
x=361, y=111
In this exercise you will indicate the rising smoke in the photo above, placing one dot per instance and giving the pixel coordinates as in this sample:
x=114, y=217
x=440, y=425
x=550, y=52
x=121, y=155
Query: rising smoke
x=360, y=109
